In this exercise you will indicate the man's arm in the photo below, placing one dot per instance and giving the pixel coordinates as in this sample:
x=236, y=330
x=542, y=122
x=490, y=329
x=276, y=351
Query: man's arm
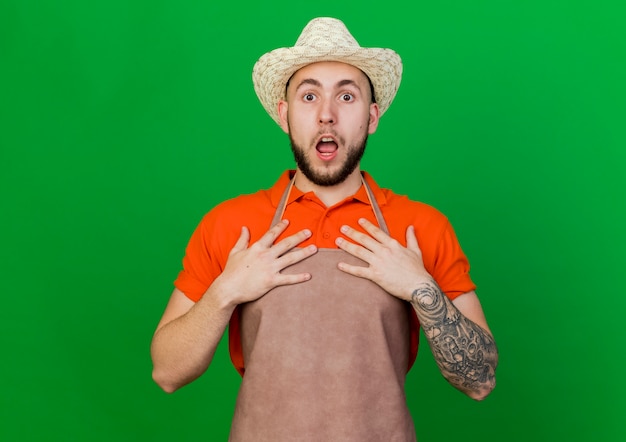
x=188, y=333
x=465, y=351
x=457, y=331
x=187, y=337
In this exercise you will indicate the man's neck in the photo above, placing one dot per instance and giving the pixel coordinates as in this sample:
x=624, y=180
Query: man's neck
x=331, y=195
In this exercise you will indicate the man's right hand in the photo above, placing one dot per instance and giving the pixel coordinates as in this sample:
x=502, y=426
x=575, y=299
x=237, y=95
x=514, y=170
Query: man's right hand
x=253, y=271
x=188, y=333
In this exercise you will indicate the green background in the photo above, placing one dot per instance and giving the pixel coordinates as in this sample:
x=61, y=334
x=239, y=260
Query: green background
x=123, y=122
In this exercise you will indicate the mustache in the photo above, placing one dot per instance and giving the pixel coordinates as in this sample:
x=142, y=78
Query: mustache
x=331, y=132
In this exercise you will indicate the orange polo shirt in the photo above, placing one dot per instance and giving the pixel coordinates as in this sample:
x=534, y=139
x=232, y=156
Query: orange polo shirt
x=217, y=233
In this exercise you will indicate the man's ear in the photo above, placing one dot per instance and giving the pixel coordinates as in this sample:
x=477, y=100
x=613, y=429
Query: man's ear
x=374, y=117
x=283, y=107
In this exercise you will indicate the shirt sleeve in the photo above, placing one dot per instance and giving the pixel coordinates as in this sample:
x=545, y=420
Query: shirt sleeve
x=208, y=248
x=207, y=252
x=199, y=269
x=451, y=267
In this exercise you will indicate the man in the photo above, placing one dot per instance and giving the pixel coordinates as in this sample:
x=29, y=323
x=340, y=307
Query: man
x=324, y=309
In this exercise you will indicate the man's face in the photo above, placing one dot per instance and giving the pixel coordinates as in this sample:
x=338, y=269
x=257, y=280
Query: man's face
x=328, y=115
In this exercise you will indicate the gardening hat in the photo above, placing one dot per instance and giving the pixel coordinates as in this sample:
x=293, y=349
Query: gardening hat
x=325, y=39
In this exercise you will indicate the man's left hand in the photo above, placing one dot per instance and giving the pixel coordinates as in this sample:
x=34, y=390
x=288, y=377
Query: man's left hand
x=397, y=269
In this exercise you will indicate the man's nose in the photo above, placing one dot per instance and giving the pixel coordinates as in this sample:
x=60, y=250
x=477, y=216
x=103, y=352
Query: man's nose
x=327, y=113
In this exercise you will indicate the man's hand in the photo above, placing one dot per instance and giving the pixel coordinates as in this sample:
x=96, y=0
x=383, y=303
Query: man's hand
x=188, y=333
x=395, y=268
x=253, y=271
x=459, y=338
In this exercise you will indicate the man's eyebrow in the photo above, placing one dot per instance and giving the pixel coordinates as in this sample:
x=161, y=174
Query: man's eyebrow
x=341, y=83
x=310, y=81
x=348, y=82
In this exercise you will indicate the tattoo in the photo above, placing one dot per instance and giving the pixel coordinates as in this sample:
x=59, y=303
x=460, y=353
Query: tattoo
x=465, y=353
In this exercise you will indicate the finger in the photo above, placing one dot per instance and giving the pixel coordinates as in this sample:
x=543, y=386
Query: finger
x=359, y=237
x=242, y=241
x=270, y=236
x=296, y=256
x=292, y=279
x=354, y=249
x=375, y=231
x=411, y=239
x=288, y=243
x=361, y=272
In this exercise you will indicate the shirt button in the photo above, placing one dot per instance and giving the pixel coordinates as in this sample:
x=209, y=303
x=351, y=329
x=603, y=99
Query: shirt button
x=326, y=235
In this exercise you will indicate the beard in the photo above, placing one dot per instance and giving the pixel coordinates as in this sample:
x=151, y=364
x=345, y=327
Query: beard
x=328, y=178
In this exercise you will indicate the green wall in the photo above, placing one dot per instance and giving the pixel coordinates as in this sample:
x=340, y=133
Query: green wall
x=123, y=122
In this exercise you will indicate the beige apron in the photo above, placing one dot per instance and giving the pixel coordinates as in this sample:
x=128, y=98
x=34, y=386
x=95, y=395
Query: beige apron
x=325, y=360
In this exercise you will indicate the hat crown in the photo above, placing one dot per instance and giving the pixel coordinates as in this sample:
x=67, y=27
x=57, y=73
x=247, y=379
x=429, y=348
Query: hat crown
x=325, y=39
x=325, y=33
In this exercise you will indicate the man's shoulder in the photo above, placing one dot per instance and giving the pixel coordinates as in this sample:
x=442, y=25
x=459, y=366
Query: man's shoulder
x=250, y=209
x=402, y=203
x=262, y=198
x=402, y=208
x=241, y=205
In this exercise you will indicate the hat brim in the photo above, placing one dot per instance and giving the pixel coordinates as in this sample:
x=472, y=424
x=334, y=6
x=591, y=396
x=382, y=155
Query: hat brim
x=272, y=71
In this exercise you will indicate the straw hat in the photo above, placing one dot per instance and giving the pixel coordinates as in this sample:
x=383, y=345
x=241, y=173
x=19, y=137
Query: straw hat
x=325, y=39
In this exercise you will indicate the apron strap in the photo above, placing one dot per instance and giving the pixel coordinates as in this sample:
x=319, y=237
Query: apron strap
x=280, y=210
x=375, y=207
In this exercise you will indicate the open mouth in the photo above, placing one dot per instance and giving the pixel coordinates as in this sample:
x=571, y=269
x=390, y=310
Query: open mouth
x=326, y=148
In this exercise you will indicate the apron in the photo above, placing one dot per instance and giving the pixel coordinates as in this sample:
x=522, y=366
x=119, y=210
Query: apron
x=326, y=359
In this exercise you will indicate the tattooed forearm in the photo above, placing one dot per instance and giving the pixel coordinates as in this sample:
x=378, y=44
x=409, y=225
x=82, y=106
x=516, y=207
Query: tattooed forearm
x=465, y=353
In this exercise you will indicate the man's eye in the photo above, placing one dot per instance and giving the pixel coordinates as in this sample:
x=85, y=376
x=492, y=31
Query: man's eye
x=309, y=97
x=347, y=97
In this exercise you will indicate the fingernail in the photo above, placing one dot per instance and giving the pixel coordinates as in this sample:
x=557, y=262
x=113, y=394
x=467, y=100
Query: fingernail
x=307, y=232
x=339, y=241
x=344, y=229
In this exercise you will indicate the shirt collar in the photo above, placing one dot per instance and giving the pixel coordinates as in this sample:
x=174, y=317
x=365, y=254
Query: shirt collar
x=277, y=190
